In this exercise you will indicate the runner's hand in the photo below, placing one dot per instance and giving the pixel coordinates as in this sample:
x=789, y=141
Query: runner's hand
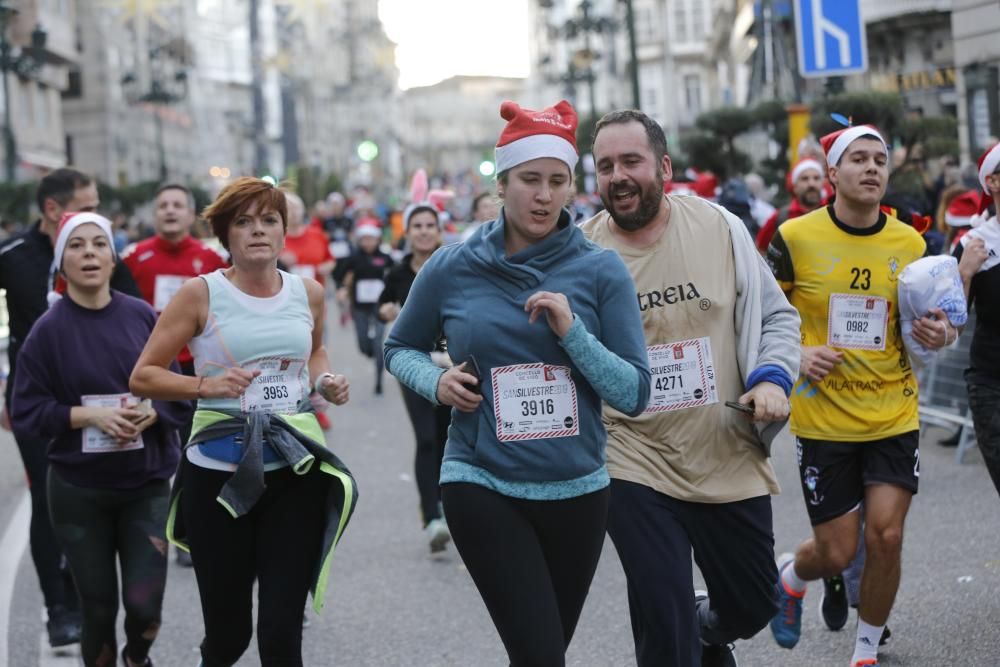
x=119, y=423
x=387, y=312
x=769, y=400
x=818, y=361
x=148, y=416
x=555, y=307
x=230, y=384
x=335, y=388
x=973, y=256
x=934, y=332
x=452, y=389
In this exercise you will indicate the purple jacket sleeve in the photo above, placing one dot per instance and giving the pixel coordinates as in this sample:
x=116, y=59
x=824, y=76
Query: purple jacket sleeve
x=34, y=409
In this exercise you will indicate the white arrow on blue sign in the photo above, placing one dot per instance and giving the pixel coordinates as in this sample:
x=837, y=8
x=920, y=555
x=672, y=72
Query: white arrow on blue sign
x=831, y=37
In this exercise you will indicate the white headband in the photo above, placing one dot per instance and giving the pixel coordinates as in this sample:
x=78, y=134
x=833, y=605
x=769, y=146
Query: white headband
x=990, y=164
x=849, y=135
x=62, y=237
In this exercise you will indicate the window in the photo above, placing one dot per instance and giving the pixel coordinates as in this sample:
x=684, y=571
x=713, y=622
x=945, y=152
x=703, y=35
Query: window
x=698, y=19
x=681, y=21
x=692, y=93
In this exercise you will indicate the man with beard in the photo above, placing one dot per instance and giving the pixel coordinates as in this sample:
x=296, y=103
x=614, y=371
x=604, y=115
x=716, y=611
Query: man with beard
x=856, y=415
x=805, y=182
x=691, y=473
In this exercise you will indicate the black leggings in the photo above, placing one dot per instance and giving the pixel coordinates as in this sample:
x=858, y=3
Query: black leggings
x=93, y=526
x=277, y=544
x=371, y=332
x=430, y=426
x=532, y=561
x=54, y=579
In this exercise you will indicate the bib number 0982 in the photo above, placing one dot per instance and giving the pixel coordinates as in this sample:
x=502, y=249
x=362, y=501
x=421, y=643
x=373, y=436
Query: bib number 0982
x=540, y=407
x=855, y=326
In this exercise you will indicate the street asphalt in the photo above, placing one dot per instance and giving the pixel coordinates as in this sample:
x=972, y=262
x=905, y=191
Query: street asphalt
x=391, y=604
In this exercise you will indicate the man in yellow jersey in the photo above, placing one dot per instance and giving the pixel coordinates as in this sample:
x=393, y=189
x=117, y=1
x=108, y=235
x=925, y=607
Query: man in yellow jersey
x=691, y=474
x=854, y=406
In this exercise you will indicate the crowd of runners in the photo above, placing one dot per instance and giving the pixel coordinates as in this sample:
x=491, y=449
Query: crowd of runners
x=566, y=378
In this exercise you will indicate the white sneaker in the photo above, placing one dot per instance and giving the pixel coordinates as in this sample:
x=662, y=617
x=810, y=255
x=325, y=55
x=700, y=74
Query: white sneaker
x=437, y=535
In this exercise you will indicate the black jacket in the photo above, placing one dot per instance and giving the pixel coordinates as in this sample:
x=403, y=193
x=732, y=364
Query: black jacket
x=24, y=272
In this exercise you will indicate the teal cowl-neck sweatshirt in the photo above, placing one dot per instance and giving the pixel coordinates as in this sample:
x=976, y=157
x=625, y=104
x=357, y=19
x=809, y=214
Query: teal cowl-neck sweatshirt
x=474, y=295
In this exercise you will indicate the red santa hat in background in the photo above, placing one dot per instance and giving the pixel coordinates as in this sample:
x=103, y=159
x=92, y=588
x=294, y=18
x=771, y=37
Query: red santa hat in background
x=989, y=162
x=368, y=227
x=801, y=167
x=530, y=135
x=835, y=143
x=67, y=224
x=962, y=209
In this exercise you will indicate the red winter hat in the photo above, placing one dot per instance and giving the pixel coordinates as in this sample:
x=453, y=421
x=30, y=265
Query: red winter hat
x=530, y=135
x=802, y=166
x=835, y=143
x=962, y=209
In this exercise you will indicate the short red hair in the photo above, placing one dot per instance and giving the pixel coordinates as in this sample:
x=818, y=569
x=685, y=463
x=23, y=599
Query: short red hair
x=237, y=197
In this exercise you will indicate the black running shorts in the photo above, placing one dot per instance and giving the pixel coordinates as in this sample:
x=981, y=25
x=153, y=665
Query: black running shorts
x=834, y=474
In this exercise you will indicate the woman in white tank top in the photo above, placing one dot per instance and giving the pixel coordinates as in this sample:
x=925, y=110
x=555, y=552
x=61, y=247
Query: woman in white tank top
x=252, y=467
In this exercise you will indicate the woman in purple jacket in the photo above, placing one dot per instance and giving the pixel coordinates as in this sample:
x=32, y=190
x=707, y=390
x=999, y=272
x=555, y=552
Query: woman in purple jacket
x=111, y=454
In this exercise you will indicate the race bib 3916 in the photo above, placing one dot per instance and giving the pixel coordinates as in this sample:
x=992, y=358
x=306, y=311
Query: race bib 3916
x=534, y=401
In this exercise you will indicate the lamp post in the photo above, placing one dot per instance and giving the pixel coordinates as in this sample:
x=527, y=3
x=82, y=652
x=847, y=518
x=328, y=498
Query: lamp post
x=24, y=64
x=164, y=89
x=581, y=68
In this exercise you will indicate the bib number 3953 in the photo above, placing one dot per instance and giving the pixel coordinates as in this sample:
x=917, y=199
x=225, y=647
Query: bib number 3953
x=682, y=375
x=534, y=401
x=858, y=322
x=278, y=389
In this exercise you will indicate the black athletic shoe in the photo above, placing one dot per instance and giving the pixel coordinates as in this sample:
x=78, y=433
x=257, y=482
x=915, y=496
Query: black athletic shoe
x=718, y=655
x=833, y=607
x=951, y=440
x=886, y=634
x=125, y=663
x=63, y=626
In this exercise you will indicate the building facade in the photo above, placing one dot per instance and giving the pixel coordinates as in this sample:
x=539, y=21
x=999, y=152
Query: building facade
x=35, y=103
x=976, y=26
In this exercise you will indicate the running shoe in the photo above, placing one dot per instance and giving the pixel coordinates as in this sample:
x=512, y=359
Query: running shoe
x=833, y=606
x=128, y=663
x=718, y=655
x=886, y=634
x=63, y=626
x=438, y=535
x=324, y=421
x=786, y=626
x=867, y=662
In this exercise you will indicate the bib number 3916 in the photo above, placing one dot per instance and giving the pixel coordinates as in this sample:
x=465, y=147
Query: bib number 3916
x=858, y=322
x=278, y=389
x=682, y=375
x=534, y=401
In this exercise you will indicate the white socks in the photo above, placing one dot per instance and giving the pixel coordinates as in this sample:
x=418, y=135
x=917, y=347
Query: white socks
x=792, y=582
x=866, y=645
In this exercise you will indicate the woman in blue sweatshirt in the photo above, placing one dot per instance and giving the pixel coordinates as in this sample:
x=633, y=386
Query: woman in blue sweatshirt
x=111, y=454
x=543, y=326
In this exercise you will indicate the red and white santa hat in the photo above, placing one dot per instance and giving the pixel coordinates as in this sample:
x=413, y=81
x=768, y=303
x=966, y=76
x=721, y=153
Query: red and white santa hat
x=989, y=162
x=835, y=143
x=801, y=167
x=962, y=209
x=530, y=135
x=67, y=224
x=368, y=227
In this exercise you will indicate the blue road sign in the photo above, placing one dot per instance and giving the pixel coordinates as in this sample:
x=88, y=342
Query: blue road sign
x=831, y=37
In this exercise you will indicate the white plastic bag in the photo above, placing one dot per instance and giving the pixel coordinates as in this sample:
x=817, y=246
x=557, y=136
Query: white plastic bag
x=929, y=282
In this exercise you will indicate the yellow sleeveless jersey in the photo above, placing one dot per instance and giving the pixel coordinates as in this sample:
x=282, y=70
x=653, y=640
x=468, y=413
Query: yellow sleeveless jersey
x=843, y=283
